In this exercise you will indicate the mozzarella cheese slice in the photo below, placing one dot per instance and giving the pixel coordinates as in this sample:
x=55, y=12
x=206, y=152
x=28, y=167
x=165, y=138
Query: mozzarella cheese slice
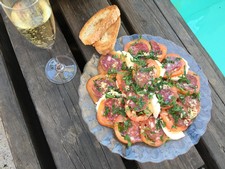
x=162, y=70
x=99, y=101
x=128, y=59
x=154, y=106
x=173, y=135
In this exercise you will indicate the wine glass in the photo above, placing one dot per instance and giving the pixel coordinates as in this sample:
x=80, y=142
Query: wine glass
x=35, y=21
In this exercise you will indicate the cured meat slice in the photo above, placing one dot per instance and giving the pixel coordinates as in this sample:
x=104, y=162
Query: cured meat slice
x=176, y=118
x=174, y=65
x=98, y=85
x=136, y=46
x=124, y=80
x=189, y=83
x=127, y=131
x=166, y=96
x=110, y=63
x=137, y=107
x=108, y=110
x=158, y=49
x=143, y=75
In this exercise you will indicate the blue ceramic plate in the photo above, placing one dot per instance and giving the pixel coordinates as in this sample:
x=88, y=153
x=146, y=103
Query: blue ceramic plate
x=140, y=151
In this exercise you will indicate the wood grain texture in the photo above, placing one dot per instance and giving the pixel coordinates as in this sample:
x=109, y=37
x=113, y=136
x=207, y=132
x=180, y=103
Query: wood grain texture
x=213, y=139
x=71, y=143
x=147, y=24
x=23, y=152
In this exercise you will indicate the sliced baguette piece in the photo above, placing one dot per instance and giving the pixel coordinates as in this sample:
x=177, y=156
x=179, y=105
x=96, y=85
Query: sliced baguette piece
x=97, y=25
x=107, y=42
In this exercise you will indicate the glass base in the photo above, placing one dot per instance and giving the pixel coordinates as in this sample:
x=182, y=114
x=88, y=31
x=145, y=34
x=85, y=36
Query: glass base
x=61, y=69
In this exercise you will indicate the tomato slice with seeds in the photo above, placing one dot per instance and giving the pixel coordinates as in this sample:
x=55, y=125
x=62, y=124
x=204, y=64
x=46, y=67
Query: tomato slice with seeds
x=124, y=79
x=174, y=65
x=98, y=85
x=108, y=110
x=127, y=131
x=136, y=46
x=152, y=134
x=176, y=118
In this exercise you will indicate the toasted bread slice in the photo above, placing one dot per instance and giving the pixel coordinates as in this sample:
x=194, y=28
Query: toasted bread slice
x=97, y=25
x=107, y=42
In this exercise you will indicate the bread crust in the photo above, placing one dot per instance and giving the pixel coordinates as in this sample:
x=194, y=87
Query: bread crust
x=107, y=42
x=98, y=24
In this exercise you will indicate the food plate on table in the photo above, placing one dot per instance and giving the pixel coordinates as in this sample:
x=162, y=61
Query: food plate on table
x=139, y=151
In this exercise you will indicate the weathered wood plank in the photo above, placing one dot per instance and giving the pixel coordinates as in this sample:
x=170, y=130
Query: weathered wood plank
x=213, y=140
x=71, y=144
x=23, y=152
x=77, y=13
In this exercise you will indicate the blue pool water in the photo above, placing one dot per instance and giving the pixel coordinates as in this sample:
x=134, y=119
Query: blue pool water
x=206, y=18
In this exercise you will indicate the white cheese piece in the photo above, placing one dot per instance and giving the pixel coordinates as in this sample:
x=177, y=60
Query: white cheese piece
x=154, y=106
x=162, y=70
x=128, y=59
x=99, y=101
x=173, y=135
x=176, y=78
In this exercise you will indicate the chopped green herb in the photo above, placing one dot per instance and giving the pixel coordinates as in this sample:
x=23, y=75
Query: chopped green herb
x=106, y=112
x=112, y=71
x=127, y=137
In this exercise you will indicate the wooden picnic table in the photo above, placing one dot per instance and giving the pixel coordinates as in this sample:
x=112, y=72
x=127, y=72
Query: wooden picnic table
x=43, y=120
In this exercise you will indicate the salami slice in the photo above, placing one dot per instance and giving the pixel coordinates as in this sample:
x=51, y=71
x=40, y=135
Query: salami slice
x=189, y=83
x=174, y=65
x=166, y=96
x=136, y=46
x=176, y=118
x=98, y=85
x=127, y=131
x=155, y=47
x=108, y=110
x=137, y=107
x=110, y=63
x=143, y=75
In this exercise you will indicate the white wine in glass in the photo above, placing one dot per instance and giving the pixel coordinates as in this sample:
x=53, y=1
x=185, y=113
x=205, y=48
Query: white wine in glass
x=34, y=19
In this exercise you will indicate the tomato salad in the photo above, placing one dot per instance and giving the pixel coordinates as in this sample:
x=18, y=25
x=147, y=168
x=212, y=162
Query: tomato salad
x=145, y=94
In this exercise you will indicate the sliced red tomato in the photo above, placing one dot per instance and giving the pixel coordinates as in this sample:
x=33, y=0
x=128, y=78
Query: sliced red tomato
x=124, y=80
x=175, y=124
x=137, y=107
x=191, y=103
x=160, y=50
x=152, y=134
x=189, y=83
x=174, y=65
x=127, y=131
x=98, y=85
x=137, y=45
x=110, y=63
x=109, y=110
